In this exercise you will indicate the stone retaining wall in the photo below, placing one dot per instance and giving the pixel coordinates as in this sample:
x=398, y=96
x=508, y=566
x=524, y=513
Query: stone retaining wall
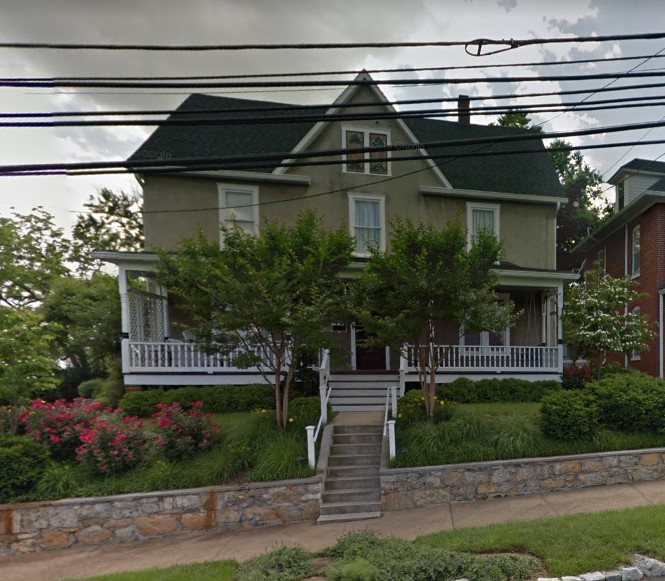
x=416, y=487
x=36, y=526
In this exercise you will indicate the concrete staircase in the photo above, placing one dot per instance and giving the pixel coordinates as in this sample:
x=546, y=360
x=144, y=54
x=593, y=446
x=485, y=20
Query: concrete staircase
x=353, y=392
x=351, y=489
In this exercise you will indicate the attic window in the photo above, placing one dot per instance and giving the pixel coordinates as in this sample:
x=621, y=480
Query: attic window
x=239, y=205
x=378, y=163
x=481, y=217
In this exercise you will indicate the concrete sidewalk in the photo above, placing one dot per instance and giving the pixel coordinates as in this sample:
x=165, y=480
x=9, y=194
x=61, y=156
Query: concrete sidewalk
x=80, y=562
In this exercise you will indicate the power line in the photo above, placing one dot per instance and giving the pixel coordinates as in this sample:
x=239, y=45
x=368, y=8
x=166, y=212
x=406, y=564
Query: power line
x=479, y=43
x=18, y=83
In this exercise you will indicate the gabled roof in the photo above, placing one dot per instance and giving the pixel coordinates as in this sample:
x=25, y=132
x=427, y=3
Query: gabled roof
x=529, y=173
x=638, y=165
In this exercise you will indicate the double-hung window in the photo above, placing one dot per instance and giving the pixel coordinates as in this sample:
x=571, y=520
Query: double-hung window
x=481, y=217
x=367, y=222
x=239, y=205
x=378, y=161
x=636, y=251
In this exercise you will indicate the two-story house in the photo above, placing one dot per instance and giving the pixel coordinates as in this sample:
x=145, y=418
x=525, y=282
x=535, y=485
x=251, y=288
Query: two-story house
x=510, y=188
x=632, y=243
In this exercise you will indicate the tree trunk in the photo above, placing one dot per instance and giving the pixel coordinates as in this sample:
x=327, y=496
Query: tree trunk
x=278, y=399
x=285, y=395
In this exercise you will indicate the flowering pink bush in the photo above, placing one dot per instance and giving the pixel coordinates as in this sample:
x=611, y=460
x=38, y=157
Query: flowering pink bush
x=575, y=377
x=113, y=444
x=60, y=424
x=182, y=433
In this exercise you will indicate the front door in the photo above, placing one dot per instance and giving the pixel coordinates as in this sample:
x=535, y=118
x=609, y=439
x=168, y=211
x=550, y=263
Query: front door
x=368, y=358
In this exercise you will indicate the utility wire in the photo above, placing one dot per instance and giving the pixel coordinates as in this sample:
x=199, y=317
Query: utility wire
x=478, y=42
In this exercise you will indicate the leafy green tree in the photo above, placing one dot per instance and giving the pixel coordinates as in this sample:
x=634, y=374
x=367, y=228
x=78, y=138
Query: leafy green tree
x=430, y=275
x=33, y=253
x=87, y=312
x=517, y=119
x=26, y=366
x=596, y=320
x=267, y=294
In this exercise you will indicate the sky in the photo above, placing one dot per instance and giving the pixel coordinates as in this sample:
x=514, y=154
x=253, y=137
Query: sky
x=291, y=21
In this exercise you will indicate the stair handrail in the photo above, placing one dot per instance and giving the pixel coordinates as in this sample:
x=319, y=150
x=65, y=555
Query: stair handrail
x=389, y=425
x=313, y=432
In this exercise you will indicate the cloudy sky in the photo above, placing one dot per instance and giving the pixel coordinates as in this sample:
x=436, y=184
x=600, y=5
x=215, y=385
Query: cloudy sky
x=290, y=21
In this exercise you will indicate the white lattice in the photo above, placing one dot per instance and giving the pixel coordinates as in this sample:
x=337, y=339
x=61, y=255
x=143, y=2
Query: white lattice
x=146, y=316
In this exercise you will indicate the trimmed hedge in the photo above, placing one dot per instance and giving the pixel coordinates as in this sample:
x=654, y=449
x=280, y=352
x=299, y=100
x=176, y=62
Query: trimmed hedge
x=216, y=399
x=630, y=401
x=508, y=390
x=570, y=415
x=23, y=460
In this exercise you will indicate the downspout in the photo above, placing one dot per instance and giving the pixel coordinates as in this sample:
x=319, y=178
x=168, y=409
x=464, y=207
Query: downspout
x=661, y=292
x=625, y=273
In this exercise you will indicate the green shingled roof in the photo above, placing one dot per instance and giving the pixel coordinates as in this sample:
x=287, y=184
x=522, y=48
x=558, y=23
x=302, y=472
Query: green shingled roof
x=529, y=173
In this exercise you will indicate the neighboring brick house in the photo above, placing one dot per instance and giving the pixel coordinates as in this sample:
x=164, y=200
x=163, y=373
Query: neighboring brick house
x=632, y=243
x=516, y=196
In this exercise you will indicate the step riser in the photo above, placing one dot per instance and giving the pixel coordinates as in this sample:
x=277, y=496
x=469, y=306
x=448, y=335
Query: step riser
x=336, y=461
x=346, y=439
x=354, y=516
x=358, y=408
x=358, y=496
x=353, y=472
x=355, y=449
x=364, y=400
x=351, y=429
x=351, y=508
x=333, y=484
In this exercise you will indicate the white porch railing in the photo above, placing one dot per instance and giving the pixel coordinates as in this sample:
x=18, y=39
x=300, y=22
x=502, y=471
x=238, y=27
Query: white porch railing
x=493, y=358
x=324, y=394
x=177, y=357
x=389, y=425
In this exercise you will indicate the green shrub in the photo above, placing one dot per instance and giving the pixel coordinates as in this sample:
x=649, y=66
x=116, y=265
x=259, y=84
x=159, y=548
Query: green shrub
x=90, y=388
x=306, y=411
x=515, y=437
x=411, y=408
x=283, y=564
x=22, y=463
x=216, y=399
x=631, y=401
x=283, y=456
x=508, y=389
x=60, y=480
x=360, y=569
x=570, y=415
x=574, y=377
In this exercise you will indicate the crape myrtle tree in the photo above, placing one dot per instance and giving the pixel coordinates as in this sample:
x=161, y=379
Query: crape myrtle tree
x=430, y=275
x=597, y=321
x=266, y=297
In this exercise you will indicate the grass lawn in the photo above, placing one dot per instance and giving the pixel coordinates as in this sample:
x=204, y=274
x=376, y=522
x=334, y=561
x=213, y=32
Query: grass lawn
x=501, y=431
x=567, y=545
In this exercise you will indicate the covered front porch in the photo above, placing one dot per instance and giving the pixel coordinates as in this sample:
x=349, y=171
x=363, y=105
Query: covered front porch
x=158, y=350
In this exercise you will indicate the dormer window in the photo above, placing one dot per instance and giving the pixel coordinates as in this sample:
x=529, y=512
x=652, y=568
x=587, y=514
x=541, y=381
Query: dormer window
x=378, y=163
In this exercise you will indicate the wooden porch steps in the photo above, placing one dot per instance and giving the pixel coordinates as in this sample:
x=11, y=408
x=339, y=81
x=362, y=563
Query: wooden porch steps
x=351, y=488
x=360, y=392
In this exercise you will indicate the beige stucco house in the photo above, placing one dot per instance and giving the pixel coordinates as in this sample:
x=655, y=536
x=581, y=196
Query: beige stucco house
x=246, y=161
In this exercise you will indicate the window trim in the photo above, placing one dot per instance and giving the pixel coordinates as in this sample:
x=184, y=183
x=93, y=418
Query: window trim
x=366, y=131
x=470, y=207
x=222, y=189
x=636, y=354
x=636, y=230
x=360, y=196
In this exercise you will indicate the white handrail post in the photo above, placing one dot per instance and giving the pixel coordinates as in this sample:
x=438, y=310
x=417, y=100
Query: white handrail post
x=324, y=403
x=403, y=363
x=311, y=451
x=391, y=438
x=393, y=395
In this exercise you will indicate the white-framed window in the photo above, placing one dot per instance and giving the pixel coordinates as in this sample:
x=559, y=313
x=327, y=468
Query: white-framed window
x=239, y=205
x=356, y=138
x=491, y=339
x=481, y=217
x=367, y=219
x=635, y=246
x=636, y=354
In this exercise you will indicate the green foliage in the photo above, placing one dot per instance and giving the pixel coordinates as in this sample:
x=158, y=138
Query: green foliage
x=570, y=415
x=90, y=388
x=291, y=273
x=396, y=559
x=283, y=456
x=430, y=274
x=60, y=480
x=306, y=411
x=283, y=564
x=359, y=569
x=596, y=320
x=411, y=408
x=575, y=377
x=114, y=385
x=465, y=390
x=515, y=437
x=22, y=463
x=216, y=399
x=630, y=401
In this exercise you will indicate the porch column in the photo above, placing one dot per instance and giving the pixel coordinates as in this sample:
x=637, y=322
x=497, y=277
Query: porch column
x=162, y=292
x=559, y=313
x=124, y=318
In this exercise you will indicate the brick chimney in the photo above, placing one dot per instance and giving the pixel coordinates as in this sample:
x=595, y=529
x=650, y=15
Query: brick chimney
x=464, y=109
